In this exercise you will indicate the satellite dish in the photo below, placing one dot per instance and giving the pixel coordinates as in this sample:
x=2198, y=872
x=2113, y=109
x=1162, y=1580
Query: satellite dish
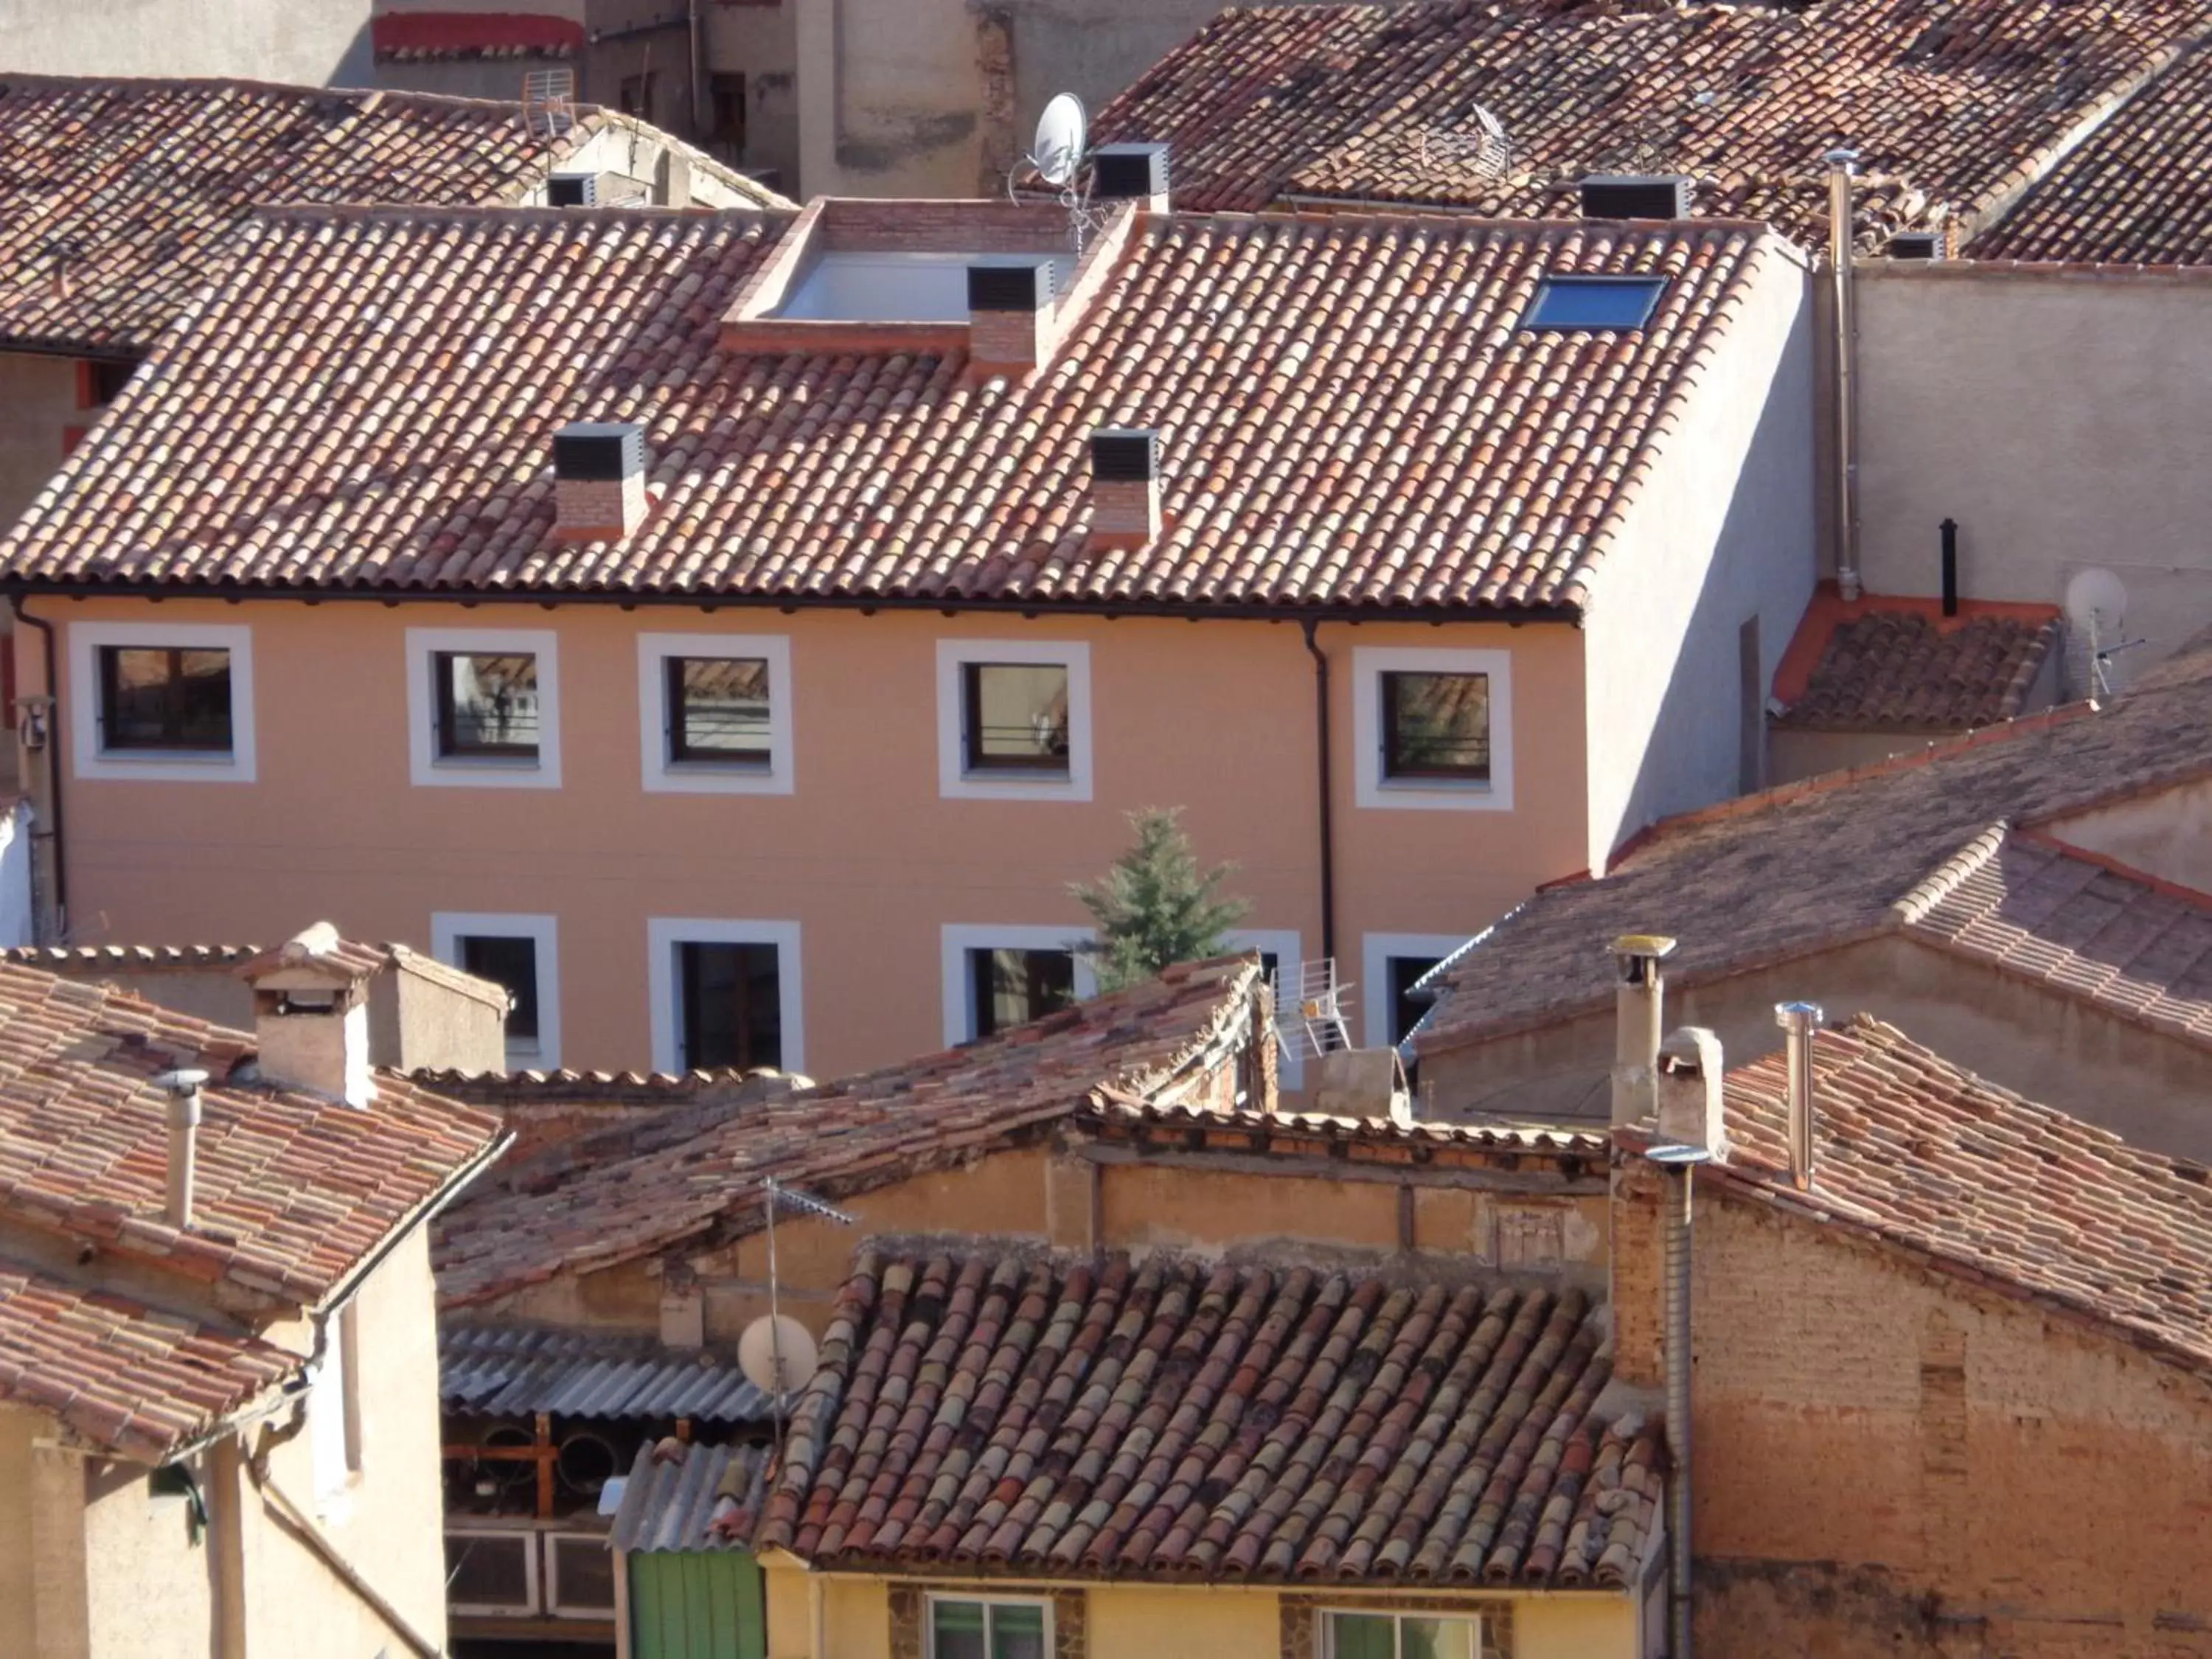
x=776, y=1354
x=2096, y=598
x=1062, y=132
x=1478, y=143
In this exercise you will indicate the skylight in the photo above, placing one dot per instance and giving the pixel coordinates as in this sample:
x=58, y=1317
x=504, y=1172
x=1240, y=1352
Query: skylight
x=1594, y=302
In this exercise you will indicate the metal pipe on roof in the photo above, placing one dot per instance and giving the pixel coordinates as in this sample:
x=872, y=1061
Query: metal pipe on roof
x=1682, y=1629
x=183, y=1088
x=1798, y=1021
x=1841, y=163
x=1950, y=573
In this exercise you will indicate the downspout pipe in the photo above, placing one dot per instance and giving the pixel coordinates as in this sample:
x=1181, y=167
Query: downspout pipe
x=1322, y=784
x=1680, y=1164
x=1841, y=165
x=54, y=836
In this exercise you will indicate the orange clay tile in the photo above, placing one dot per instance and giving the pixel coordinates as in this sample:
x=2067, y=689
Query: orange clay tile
x=1898, y=664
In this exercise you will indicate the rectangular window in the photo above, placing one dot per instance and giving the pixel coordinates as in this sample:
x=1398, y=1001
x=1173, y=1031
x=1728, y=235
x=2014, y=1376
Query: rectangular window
x=1013, y=988
x=1435, y=726
x=1016, y=716
x=1403, y=974
x=732, y=1012
x=988, y=1629
x=1391, y=965
x=165, y=699
x=718, y=711
x=486, y=705
x=1567, y=304
x=1400, y=1636
x=512, y=962
x=520, y=953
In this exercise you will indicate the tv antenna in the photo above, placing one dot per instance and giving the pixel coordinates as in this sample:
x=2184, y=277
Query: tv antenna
x=1056, y=156
x=549, y=102
x=2097, y=612
x=1310, y=1007
x=1478, y=145
x=777, y=1354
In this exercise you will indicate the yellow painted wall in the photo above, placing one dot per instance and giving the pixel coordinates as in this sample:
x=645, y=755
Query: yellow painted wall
x=1142, y=1622
x=1545, y=1628
x=18, y=1613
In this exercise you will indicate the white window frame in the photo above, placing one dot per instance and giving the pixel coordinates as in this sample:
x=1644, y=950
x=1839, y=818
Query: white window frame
x=665, y=775
x=1373, y=992
x=1325, y=1637
x=1283, y=942
x=664, y=934
x=931, y=1598
x=530, y=1554
x=961, y=938
x=954, y=781
x=449, y=927
x=426, y=767
x=1368, y=665
x=93, y=760
x=551, y=1543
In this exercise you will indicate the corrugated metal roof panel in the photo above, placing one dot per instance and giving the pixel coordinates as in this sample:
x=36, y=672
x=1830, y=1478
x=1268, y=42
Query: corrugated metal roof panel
x=676, y=1492
x=497, y=1371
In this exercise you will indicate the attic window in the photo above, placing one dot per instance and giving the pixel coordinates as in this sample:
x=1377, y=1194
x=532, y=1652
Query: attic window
x=1565, y=303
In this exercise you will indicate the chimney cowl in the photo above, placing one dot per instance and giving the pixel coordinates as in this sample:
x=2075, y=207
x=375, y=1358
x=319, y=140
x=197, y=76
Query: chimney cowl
x=1017, y=285
x=599, y=480
x=1125, y=486
x=311, y=1014
x=1131, y=171
x=183, y=1087
x=1638, y=1017
x=1637, y=196
x=1690, y=1081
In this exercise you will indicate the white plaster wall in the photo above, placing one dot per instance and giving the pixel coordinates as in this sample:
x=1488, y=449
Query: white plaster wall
x=312, y=42
x=38, y=400
x=2060, y=420
x=1724, y=529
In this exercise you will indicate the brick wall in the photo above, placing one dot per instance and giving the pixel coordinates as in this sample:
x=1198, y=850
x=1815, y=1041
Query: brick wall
x=1891, y=1462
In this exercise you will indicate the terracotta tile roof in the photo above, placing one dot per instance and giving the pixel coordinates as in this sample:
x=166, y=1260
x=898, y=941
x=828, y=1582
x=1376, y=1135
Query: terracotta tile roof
x=1950, y=105
x=1813, y=865
x=121, y=1375
x=1180, y=1419
x=1351, y=419
x=1911, y=1148
x=2134, y=193
x=691, y=1176
x=81, y=960
x=293, y=1191
x=118, y=197
x=1878, y=664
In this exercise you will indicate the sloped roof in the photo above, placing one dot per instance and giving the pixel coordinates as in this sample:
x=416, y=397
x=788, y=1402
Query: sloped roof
x=136, y=1380
x=1914, y=1150
x=688, y=1497
x=499, y=1370
x=1187, y=1420
x=1351, y=418
x=626, y=1192
x=293, y=1191
x=1816, y=863
x=1899, y=666
x=1951, y=103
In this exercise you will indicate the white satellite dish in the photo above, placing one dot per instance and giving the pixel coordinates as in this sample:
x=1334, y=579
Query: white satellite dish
x=2096, y=598
x=776, y=1354
x=1062, y=132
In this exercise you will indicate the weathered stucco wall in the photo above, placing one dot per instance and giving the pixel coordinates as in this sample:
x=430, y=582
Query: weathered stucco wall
x=38, y=402
x=2168, y=835
x=312, y=42
x=2057, y=419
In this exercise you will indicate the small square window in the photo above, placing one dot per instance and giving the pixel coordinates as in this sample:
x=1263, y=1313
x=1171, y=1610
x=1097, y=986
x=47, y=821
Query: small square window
x=1017, y=717
x=486, y=705
x=1569, y=303
x=988, y=1629
x=512, y=962
x=1435, y=726
x=156, y=699
x=719, y=711
x=1012, y=988
x=731, y=1005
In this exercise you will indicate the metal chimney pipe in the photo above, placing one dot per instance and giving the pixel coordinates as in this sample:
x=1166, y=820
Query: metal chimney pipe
x=183, y=1088
x=1640, y=1017
x=1841, y=162
x=1798, y=1021
x=1679, y=1163
x=1950, y=528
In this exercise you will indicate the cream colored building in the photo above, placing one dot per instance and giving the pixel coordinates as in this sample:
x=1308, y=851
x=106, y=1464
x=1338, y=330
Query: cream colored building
x=218, y=1369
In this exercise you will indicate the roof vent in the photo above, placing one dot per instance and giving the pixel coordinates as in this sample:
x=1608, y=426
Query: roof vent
x=1125, y=486
x=1690, y=1079
x=1636, y=195
x=567, y=190
x=1009, y=306
x=1131, y=171
x=1010, y=285
x=599, y=480
x=1917, y=244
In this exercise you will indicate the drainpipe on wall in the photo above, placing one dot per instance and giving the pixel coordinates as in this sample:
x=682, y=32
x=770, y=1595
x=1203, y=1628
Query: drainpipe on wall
x=698, y=41
x=49, y=924
x=1840, y=165
x=1680, y=1164
x=1327, y=818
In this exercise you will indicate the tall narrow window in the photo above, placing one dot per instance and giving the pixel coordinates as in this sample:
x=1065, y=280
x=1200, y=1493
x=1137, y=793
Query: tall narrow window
x=158, y=698
x=486, y=705
x=1017, y=717
x=719, y=711
x=1435, y=726
x=1014, y=987
x=1406, y=1009
x=513, y=963
x=730, y=1001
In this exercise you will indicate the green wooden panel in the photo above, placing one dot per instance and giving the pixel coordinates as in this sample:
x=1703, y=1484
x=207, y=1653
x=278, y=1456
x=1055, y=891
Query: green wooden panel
x=697, y=1605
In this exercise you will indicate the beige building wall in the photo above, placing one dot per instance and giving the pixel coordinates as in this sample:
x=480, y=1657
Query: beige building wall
x=38, y=404
x=312, y=42
x=2168, y=833
x=2057, y=417
x=865, y=855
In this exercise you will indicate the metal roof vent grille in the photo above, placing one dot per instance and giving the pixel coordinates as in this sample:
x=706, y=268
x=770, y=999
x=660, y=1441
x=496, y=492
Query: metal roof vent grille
x=1636, y=195
x=1125, y=455
x=1025, y=285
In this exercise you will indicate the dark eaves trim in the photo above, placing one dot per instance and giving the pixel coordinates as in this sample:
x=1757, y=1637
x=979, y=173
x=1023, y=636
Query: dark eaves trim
x=946, y=605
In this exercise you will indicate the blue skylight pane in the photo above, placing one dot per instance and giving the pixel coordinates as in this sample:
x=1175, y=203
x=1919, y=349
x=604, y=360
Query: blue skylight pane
x=1563, y=303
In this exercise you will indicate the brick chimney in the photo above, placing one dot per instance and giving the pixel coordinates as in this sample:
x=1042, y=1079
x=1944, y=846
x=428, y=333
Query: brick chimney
x=1125, y=486
x=311, y=1014
x=1009, y=306
x=1136, y=172
x=599, y=480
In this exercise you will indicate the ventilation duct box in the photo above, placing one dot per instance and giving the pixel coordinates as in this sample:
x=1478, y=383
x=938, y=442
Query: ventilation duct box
x=566, y=190
x=1125, y=486
x=1120, y=172
x=1917, y=244
x=1636, y=195
x=599, y=480
x=1125, y=455
x=1023, y=285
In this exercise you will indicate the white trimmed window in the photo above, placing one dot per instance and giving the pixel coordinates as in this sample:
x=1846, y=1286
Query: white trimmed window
x=1400, y=1636
x=522, y=953
x=1279, y=950
x=1013, y=720
x=1390, y=965
x=998, y=977
x=1433, y=729
x=990, y=1627
x=715, y=713
x=163, y=702
x=726, y=994
x=483, y=707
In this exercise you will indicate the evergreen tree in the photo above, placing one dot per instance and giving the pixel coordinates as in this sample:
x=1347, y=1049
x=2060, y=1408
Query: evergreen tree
x=1154, y=907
